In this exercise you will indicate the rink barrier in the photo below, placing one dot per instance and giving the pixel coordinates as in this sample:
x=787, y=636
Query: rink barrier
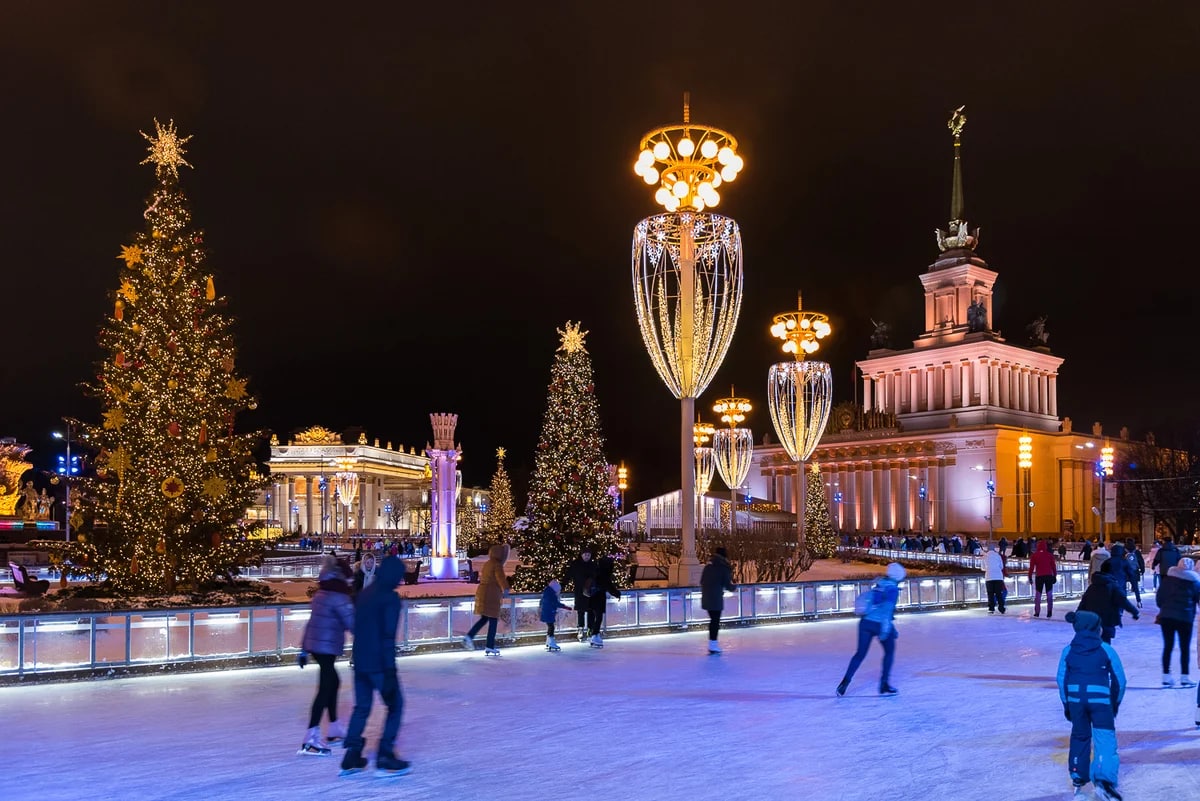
x=71, y=645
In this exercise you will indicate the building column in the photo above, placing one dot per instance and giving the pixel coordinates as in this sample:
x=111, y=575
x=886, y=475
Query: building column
x=1052, y=394
x=1044, y=406
x=1005, y=387
x=914, y=391
x=965, y=370
x=1026, y=387
x=867, y=383
x=291, y=501
x=947, y=387
x=983, y=380
x=994, y=383
x=308, y=505
x=930, y=393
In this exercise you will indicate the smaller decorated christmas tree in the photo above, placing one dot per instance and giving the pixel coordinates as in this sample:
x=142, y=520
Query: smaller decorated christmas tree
x=572, y=501
x=502, y=512
x=818, y=528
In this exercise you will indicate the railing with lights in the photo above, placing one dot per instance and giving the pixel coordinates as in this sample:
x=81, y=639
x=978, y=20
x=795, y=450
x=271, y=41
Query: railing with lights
x=71, y=644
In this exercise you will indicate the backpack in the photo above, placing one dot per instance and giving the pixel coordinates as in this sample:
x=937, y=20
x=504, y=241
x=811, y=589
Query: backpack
x=865, y=602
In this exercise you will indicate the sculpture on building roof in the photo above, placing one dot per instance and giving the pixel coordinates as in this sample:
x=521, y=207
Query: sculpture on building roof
x=977, y=316
x=881, y=337
x=318, y=435
x=959, y=235
x=1037, y=332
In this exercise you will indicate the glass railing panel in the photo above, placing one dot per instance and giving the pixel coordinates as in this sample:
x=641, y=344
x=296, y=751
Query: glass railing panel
x=58, y=643
x=621, y=613
x=264, y=630
x=430, y=619
x=295, y=620
x=652, y=607
x=827, y=598
x=10, y=644
x=149, y=637
x=529, y=616
x=110, y=639
x=221, y=633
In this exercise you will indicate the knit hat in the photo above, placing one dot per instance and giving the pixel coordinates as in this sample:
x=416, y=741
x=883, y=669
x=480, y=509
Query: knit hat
x=330, y=569
x=1084, y=621
x=895, y=571
x=1187, y=563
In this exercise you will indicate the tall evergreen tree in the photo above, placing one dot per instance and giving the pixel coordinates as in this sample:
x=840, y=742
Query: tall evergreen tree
x=572, y=500
x=173, y=477
x=818, y=528
x=502, y=513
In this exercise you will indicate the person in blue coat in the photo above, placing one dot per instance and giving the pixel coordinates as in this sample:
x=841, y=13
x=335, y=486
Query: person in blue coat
x=715, y=579
x=375, y=620
x=1091, y=685
x=1125, y=572
x=548, y=611
x=878, y=622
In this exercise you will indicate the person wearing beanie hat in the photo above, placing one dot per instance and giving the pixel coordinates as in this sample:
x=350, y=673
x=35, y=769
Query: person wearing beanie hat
x=877, y=622
x=1106, y=600
x=715, y=580
x=1091, y=686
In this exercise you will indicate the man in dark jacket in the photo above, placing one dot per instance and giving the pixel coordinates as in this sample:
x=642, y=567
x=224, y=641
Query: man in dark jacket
x=602, y=586
x=1167, y=557
x=1104, y=599
x=581, y=573
x=375, y=620
x=1125, y=572
x=715, y=580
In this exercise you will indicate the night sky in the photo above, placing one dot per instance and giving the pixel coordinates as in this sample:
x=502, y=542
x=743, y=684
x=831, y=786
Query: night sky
x=403, y=201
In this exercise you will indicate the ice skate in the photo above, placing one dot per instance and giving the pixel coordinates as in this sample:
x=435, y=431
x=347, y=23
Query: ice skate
x=714, y=647
x=314, y=745
x=1168, y=681
x=1079, y=791
x=389, y=765
x=552, y=645
x=596, y=642
x=468, y=643
x=581, y=635
x=352, y=762
x=1107, y=791
x=888, y=689
x=1185, y=681
x=337, y=733
x=843, y=685
x=491, y=651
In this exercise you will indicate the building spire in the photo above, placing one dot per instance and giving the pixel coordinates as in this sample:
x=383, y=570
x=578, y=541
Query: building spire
x=958, y=121
x=959, y=236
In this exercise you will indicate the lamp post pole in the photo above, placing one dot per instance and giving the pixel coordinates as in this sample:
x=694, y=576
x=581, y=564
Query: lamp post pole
x=622, y=483
x=1105, y=471
x=1025, y=462
x=67, y=479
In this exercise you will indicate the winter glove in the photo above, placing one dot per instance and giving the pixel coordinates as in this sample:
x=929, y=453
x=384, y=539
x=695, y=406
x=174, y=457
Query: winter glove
x=1135, y=616
x=1066, y=712
x=302, y=659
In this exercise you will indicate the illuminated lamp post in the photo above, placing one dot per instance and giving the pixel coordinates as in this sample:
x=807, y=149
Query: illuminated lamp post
x=1104, y=470
x=701, y=436
x=687, y=281
x=800, y=392
x=1025, y=463
x=345, y=481
x=622, y=483
x=67, y=469
x=732, y=448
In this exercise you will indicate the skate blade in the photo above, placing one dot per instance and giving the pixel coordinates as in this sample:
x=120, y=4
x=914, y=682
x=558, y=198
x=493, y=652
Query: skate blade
x=391, y=774
x=350, y=771
x=315, y=752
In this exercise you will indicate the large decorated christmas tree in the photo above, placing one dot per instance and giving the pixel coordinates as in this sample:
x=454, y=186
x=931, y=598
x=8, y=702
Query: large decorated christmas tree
x=572, y=502
x=818, y=528
x=174, y=477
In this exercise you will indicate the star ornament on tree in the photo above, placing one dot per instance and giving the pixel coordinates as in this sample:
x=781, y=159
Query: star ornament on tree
x=235, y=389
x=114, y=419
x=132, y=254
x=501, y=453
x=166, y=149
x=572, y=338
x=215, y=486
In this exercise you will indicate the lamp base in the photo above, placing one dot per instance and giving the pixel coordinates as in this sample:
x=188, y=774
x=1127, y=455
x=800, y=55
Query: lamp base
x=443, y=567
x=685, y=573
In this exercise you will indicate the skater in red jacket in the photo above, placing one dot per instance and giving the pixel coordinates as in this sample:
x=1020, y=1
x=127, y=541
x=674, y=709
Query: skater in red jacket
x=1043, y=573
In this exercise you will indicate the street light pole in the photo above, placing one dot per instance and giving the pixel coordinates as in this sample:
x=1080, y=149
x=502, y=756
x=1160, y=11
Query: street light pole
x=67, y=472
x=1025, y=462
x=991, y=491
x=1104, y=470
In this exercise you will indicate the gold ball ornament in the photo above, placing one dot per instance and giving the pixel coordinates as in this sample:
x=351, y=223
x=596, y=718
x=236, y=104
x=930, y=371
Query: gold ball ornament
x=172, y=487
x=137, y=328
x=81, y=537
x=157, y=234
x=211, y=456
x=172, y=384
x=252, y=405
x=136, y=386
x=160, y=547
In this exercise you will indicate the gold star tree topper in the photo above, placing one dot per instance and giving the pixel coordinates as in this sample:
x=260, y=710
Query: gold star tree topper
x=572, y=338
x=501, y=453
x=166, y=149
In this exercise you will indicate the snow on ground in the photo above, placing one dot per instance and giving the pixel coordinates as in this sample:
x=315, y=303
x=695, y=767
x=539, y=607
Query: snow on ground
x=649, y=717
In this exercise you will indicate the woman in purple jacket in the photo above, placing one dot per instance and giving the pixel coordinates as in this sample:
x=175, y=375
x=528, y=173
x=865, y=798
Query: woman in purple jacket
x=331, y=617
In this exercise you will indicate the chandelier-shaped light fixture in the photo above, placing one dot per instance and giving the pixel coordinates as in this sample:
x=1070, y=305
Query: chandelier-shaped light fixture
x=345, y=483
x=701, y=435
x=687, y=280
x=800, y=392
x=733, y=448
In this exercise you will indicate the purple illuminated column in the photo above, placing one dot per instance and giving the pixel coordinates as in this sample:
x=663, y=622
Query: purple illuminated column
x=443, y=465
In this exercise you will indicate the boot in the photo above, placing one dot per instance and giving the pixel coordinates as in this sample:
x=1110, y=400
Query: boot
x=1168, y=681
x=337, y=732
x=582, y=634
x=552, y=644
x=714, y=647
x=389, y=764
x=468, y=643
x=353, y=761
x=313, y=744
x=1186, y=681
x=887, y=689
x=843, y=685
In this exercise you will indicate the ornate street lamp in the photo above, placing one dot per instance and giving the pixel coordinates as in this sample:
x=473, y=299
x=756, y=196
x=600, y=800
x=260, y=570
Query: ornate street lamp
x=1104, y=469
x=701, y=435
x=800, y=392
x=1025, y=463
x=345, y=481
x=687, y=280
x=622, y=483
x=732, y=448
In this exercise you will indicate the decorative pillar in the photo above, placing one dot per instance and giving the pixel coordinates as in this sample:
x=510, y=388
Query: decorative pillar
x=983, y=381
x=308, y=505
x=1052, y=392
x=1043, y=406
x=291, y=501
x=443, y=492
x=965, y=371
x=947, y=387
x=867, y=382
x=914, y=391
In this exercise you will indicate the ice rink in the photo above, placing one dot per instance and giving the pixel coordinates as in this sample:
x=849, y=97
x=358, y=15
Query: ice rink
x=649, y=717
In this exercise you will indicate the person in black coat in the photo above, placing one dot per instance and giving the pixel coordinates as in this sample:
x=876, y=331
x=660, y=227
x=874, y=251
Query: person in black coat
x=715, y=580
x=581, y=573
x=1125, y=572
x=1103, y=598
x=602, y=586
x=375, y=620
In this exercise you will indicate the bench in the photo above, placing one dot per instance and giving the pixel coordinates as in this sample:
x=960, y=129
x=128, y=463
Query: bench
x=24, y=584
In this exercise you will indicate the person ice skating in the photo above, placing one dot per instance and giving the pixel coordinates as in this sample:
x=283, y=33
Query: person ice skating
x=878, y=622
x=331, y=616
x=1043, y=573
x=1177, y=597
x=597, y=593
x=715, y=580
x=1125, y=572
x=375, y=619
x=551, y=603
x=1166, y=558
x=581, y=573
x=993, y=576
x=1099, y=557
x=493, y=586
x=1085, y=553
x=1091, y=685
x=365, y=573
x=1104, y=599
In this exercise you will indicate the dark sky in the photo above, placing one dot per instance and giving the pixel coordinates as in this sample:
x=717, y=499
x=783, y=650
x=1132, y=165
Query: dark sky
x=403, y=201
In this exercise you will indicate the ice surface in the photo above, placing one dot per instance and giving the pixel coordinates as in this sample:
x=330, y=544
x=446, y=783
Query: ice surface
x=650, y=717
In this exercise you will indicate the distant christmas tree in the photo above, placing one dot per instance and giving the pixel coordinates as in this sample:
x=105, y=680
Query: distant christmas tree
x=502, y=512
x=173, y=478
x=471, y=536
x=818, y=529
x=571, y=497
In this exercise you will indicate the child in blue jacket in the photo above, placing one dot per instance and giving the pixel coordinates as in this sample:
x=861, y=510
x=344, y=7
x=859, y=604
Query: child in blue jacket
x=551, y=603
x=1091, y=684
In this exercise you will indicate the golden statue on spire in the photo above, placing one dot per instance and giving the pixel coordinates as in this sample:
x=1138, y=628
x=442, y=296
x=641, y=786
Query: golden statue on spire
x=958, y=121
